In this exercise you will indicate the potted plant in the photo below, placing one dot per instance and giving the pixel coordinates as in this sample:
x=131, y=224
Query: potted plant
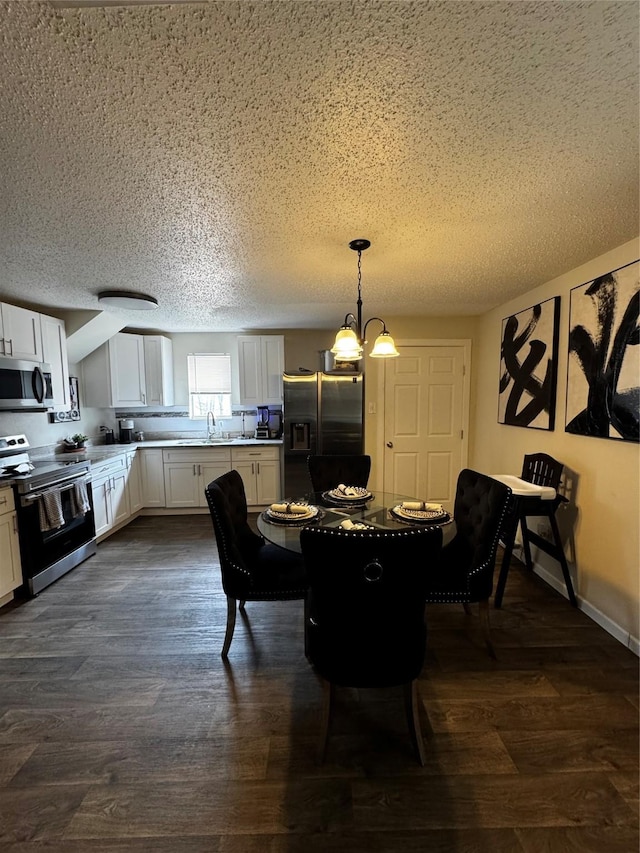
x=76, y=442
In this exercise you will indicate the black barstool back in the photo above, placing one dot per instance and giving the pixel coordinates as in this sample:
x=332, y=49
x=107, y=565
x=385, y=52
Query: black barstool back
x=328, y=471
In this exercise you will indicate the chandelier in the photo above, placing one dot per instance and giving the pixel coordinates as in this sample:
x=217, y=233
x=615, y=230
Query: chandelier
x=351, y=337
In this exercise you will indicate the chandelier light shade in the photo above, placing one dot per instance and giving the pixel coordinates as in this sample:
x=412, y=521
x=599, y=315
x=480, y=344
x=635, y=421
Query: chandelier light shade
x=351, y=336
x=127, y=299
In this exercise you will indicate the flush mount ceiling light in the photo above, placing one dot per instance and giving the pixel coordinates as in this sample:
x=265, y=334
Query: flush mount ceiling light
x=351, y=337
x=127, y=299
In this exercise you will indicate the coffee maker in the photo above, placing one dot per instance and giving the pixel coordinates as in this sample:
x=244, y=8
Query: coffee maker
x=262, y=425
x=275, y=423
x=125, y=435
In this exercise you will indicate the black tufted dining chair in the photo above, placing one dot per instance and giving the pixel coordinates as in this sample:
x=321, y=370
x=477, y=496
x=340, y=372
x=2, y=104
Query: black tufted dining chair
x=252, y=569
x=328, y=471
x=364, y=619
x=465, y=571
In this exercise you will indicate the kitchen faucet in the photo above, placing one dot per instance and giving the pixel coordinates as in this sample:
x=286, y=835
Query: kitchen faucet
x=211, y=424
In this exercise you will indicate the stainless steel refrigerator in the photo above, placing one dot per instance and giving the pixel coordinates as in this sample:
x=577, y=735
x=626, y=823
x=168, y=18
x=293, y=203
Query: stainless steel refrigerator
x=322, y=414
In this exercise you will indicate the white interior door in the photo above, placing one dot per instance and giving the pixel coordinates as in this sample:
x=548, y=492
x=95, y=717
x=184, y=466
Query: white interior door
x=425, y=421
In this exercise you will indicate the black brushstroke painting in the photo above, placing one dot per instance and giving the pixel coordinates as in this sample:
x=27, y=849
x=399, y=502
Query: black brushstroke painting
x=604, y=343
x=529, y=366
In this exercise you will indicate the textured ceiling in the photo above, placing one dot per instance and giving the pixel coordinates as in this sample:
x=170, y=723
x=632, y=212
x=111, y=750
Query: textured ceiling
x=220, y=156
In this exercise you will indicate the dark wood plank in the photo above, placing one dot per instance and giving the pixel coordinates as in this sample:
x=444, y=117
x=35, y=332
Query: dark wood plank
x=583, y=799
x=143, y=762
x=38, y=813
x=579, y=839
x=565, y=751
x=205, y=809
x=12, y=758
x=563, y=713
x=435, y=841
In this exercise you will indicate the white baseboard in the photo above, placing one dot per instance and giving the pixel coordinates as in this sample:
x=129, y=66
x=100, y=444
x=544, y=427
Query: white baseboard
x=617, y=632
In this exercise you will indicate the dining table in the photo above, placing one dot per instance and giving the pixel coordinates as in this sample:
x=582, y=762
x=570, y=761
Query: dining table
x=377, y=512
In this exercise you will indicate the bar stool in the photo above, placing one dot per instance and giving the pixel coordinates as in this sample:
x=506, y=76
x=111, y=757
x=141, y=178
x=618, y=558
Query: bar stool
x=534, y=495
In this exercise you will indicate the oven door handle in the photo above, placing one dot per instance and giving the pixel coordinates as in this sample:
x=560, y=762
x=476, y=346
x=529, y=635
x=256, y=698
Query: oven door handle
x=56, y=485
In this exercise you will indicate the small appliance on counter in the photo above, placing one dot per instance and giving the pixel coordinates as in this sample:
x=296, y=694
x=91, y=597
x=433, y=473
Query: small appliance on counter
x=126, y=431
x=275, y=423
x=109, y=437
x=262, y=426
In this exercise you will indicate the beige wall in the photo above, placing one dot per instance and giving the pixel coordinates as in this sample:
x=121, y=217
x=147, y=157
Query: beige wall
x=604, y=513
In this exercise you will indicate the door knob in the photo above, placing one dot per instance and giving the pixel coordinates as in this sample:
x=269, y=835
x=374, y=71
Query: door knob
x=389, y=444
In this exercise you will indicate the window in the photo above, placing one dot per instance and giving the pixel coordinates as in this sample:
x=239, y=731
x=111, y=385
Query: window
x=209, y=384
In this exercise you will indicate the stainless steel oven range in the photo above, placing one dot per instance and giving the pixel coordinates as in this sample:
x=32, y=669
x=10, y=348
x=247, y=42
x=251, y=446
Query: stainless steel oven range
x=54, y=506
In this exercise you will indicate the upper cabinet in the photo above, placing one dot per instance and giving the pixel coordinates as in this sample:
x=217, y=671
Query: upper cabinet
x=158, y=369
x=20, y=333
x=126, y=370
x=117, y=373
x=54, y=353
x=261, y=364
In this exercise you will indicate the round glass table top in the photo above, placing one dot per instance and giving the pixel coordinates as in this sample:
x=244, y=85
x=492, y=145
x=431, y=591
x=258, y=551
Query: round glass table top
x=375, y=512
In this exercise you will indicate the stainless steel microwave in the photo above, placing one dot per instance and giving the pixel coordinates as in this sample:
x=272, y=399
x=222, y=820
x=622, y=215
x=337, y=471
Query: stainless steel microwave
x=25, y=386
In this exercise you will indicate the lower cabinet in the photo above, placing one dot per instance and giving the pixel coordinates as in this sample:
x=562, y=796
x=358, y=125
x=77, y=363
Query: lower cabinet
x=134, y=481
x=175, y=478
x=110, y=497
x=152, y=477
x=188, y=471
x=10, y=567
x=260, y=471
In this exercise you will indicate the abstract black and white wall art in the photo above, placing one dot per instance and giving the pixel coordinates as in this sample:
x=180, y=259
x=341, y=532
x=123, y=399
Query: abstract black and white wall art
x=529, y=366
x=603, y=371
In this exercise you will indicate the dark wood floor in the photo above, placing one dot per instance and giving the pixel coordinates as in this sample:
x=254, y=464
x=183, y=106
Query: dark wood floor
x=122, y=730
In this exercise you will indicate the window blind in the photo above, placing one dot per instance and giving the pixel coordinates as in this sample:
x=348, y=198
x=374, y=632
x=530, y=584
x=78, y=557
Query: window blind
x=209, y=373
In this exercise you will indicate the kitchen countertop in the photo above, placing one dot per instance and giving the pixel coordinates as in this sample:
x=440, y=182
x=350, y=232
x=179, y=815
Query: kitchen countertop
x=99, y=452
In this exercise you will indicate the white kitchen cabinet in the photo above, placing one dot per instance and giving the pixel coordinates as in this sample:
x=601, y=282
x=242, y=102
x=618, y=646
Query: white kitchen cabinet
x=126, y=369
x=10, y=567
x=260, y=366
x=188, y=470
x=110, y=498
x=134, y=481
x=116, y=374
x=158, y=366
x=152, y=477
x=20, y=333
x=259, y=468
x=54, y=353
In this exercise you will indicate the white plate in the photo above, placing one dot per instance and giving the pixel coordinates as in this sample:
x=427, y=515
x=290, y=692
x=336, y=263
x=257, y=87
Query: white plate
x=361, y=494
x=419, y=514
x=312, y=512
